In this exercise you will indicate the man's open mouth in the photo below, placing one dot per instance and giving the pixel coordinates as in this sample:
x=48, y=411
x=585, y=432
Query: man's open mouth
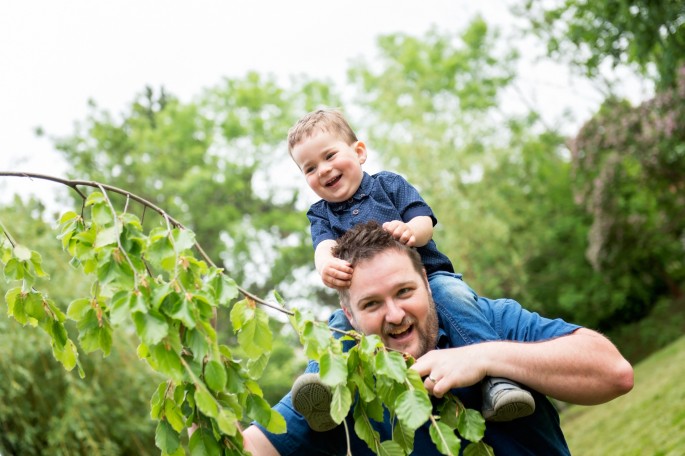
x=401, y=332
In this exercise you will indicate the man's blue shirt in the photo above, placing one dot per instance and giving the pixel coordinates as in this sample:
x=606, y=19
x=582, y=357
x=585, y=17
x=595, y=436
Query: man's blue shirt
x=537, y=434
x=383, y=197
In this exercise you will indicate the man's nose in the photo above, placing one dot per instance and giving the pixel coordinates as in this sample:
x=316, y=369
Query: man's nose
x=394, y=313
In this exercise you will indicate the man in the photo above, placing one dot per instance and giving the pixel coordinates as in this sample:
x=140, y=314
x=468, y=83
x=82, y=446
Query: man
x=389, y=296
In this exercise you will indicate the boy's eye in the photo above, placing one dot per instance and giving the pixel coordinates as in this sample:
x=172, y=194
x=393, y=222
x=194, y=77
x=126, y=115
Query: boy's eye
x=330, y=155
x=309, y=169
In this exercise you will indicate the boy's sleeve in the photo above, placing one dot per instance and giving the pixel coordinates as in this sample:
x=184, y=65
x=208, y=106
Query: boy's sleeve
x=405, y=197
x=319, y=225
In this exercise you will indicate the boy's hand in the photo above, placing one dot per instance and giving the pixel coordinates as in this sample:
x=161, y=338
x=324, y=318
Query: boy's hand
x=400, y=231
x=336, y=273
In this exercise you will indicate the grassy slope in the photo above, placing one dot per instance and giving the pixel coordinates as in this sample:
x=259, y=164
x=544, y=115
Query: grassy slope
x=648, y=420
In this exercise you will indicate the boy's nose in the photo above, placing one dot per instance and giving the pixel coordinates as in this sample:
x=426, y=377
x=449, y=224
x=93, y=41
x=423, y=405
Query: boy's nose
x=324, y=169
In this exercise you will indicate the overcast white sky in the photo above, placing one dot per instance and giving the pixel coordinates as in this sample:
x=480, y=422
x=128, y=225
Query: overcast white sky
x=57, y=54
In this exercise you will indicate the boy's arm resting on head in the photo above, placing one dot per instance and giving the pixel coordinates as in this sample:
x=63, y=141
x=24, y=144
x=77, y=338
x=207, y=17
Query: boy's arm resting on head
x=334, y=272
x=257, y=443
x=583, y=367
x=415, y=233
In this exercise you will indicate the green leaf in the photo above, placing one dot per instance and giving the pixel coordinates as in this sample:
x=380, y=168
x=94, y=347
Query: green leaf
x=14, y=270
x=78, y=308
x=157, y=401
x=215, y=375
x=256, y=366
x=119, y=307
x=183, y=239
x=444, y=438
x=67, y=355
x=164, y=360
x=363, y=428
x=166, y=438
x=107, y=236
x=101, y=214
x=181, y=310
x=403, y=436
x=333, y=369
x=152, y=327
x=277, y=423
x=225, y=290
x=316, y=339
x=206, y=403
x=392, y=365
x=390, y=448
x=340, y=403
x=227, y=421
x=413, y=408
x=203, y=443
x=196, y=342
x=240, y=313
x=471, y=425
x=255, y=336
x=174, y=415
x=479, y=449
x=22, y=253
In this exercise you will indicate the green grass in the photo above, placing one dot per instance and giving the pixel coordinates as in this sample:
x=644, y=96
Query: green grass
x=650, y=420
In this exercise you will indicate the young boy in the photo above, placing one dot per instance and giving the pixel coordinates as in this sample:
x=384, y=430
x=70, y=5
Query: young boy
x=330, y=156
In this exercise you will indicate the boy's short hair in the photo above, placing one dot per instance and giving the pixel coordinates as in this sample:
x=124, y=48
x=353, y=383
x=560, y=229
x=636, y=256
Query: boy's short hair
x=363, y=242
x=328, y=120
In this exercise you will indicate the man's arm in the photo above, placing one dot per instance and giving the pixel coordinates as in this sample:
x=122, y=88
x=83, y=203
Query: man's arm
x=583, y=367
x=256, y=442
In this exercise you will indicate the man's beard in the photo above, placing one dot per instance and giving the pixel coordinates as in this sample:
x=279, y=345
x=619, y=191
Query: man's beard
x=427, y=333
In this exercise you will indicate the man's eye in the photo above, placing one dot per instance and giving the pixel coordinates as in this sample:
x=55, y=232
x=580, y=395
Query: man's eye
x=369, y=305
x=404, y=291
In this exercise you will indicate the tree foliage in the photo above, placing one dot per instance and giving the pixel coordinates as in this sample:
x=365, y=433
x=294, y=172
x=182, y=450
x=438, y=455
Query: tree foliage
x=46, y=410
x=210, y=162
x=586, y=33
x=153, y=282
x=629, y=164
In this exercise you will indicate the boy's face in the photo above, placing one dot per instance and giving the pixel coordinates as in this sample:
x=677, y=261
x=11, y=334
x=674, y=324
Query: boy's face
x=332, y=168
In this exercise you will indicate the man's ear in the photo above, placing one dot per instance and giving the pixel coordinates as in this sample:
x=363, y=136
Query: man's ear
x=360, y=149
x=348, y=314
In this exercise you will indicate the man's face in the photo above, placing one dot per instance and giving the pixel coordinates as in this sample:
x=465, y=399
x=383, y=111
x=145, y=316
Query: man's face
x=389, y=298
x=332, y=168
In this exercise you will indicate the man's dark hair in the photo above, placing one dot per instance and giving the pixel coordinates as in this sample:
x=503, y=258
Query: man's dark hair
x=366, y=240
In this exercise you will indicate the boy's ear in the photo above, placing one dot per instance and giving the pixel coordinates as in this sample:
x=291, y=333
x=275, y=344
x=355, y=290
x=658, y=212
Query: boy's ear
x=360, y=149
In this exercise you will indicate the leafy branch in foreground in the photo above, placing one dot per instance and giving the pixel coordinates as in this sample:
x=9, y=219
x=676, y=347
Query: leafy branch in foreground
x=153, y=282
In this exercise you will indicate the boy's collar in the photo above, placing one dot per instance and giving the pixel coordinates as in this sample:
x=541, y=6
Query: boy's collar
x=362, y=192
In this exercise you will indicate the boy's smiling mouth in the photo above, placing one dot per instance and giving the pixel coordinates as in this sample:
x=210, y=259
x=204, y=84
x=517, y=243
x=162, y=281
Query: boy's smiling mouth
x=334, y=181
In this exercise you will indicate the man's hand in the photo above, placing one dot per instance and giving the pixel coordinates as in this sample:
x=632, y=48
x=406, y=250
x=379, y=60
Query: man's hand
x=336, y=273
x=401, y=231
x=450, y=368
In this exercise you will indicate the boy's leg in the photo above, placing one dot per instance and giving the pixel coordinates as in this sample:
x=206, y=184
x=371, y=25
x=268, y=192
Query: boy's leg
x=310, y=397
x=456, y=304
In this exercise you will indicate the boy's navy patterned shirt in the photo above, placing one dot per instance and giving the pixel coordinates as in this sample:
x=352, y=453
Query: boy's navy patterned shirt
x=382, y=197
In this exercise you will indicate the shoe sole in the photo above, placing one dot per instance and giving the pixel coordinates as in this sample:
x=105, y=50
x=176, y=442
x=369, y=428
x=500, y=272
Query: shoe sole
x=312, y=399
x=517, y=406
